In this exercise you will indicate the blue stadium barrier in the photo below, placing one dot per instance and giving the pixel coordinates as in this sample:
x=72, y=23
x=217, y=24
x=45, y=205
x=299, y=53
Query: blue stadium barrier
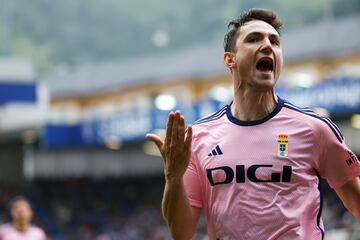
x=337, y=96
x=17, y=92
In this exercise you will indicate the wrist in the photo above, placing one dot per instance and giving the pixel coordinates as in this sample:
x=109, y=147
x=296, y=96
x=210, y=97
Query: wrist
x=173, y=180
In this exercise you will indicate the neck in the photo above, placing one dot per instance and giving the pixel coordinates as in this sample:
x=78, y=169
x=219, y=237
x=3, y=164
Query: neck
x=21, y=226
x=251, y=106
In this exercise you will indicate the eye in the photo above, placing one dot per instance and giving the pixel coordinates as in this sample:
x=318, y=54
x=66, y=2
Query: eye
x=252, y=40
x=275, y=42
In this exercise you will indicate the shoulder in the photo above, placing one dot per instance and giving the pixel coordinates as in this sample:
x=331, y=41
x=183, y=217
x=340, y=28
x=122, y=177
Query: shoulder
x=6, y=229
x=211, y=119
x=207, y=128
x=37, y=230
x=5, y=226
x=319, y=124
x=209, y=123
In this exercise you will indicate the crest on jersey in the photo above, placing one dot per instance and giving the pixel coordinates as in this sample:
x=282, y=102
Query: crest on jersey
x=282, y=145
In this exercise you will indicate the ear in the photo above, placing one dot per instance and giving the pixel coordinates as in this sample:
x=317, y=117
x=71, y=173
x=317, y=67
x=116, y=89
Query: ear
x=229, y=60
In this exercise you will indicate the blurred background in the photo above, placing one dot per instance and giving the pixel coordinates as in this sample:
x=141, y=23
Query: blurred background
x=82, y=82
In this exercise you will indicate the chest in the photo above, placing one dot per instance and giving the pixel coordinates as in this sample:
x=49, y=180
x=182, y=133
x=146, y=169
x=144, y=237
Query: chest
x=256, y=155
x=13, y=234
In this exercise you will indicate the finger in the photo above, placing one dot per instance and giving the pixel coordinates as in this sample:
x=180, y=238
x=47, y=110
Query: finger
x=188, y=140
x=169, y=128
x=174, y=131
x=156, y=139
x=181, y=131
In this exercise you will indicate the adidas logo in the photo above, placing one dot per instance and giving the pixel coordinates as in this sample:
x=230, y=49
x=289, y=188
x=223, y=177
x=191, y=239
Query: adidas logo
x=215, y=151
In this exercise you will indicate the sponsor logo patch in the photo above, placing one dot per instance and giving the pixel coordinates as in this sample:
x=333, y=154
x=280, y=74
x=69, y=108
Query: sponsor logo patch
x=352, y=159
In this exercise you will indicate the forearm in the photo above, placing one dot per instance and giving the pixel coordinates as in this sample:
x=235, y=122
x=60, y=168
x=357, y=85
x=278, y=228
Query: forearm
x=354, y=208
x=177, y=211
x=349, y=193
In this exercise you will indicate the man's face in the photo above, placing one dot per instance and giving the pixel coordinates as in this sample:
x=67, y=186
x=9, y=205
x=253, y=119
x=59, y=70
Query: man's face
x=21, y=212
x=258, y=55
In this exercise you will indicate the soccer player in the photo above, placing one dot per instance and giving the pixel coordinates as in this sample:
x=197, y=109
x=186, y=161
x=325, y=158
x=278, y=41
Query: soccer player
x=21, y=227
x=254, y=166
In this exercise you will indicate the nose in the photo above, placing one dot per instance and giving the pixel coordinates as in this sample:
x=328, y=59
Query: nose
x=266, y=47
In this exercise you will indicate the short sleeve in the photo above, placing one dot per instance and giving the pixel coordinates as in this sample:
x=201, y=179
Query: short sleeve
x=336, y=162
x=192, y=183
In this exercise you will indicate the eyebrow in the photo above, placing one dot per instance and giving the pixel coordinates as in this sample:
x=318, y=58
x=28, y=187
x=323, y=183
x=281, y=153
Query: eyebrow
x=261, y=34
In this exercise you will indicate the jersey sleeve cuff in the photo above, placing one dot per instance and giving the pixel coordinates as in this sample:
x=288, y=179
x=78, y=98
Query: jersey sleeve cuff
x=194, y=203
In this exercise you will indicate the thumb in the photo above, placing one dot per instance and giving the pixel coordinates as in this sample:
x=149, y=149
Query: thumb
x=156, y=139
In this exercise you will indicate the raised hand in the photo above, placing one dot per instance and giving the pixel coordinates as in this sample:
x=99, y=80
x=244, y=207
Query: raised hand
x=176, y=148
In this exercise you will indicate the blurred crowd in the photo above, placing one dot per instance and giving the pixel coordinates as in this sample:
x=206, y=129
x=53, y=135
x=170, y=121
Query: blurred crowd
x=339, y=223
x=127, y=208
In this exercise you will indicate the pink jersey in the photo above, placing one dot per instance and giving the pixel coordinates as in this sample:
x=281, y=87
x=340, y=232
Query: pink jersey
x=9, y=232
x=260, y=179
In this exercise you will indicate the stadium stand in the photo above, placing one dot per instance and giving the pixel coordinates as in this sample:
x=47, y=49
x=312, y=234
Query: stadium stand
x=86, y=171
x=126, y=208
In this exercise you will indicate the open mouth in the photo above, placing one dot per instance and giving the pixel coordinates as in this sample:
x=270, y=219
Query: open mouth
x=265, y=65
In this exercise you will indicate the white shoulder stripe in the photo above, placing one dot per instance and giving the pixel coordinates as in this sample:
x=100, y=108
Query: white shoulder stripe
x=212, y=117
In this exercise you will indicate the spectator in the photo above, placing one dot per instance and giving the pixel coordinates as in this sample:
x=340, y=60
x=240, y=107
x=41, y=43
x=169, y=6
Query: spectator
x=21, y=228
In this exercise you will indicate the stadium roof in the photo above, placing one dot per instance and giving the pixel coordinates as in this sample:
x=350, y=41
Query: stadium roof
x=17, y=70
x=87, y=79
x=324, y=39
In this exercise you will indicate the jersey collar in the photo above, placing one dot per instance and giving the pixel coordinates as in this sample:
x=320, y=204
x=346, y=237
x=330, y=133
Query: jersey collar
x=256, y=122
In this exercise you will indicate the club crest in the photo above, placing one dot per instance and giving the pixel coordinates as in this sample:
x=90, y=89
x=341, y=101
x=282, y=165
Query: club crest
x=282, y=145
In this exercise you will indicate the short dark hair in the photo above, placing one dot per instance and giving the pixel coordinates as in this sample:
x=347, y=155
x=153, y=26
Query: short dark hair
x=18, y=198
x=261, y=14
